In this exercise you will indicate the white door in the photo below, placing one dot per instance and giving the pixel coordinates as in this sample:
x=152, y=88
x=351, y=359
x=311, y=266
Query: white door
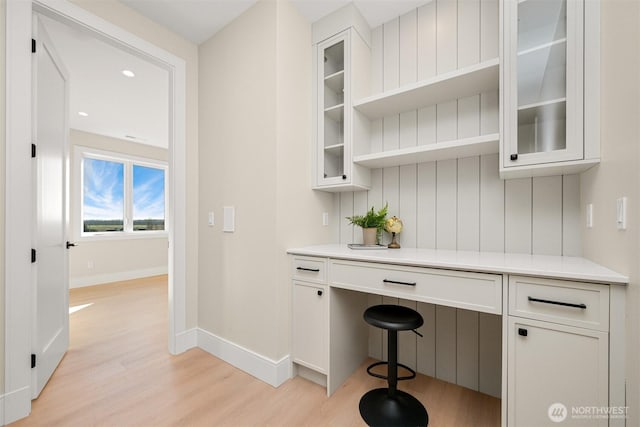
x=51, y=291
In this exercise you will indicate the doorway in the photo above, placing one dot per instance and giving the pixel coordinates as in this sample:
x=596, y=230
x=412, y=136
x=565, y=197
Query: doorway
x=19, y=235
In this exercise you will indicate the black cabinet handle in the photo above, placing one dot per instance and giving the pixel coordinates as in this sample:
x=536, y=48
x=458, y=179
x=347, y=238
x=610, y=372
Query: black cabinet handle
x=514, y=157
x=344, y=176
x=308, y=269
x=69, y=244
x=564, y=304
x=319, y=293
x=522, y=332
x=399, y=283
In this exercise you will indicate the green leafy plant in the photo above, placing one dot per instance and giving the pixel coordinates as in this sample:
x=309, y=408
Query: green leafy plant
x=371, y=219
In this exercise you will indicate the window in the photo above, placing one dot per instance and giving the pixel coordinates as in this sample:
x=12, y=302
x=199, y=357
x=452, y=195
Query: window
x=121, y=194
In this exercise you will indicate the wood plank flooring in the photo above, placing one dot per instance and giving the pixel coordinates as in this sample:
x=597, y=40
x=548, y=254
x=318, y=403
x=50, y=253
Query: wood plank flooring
x=118, y=373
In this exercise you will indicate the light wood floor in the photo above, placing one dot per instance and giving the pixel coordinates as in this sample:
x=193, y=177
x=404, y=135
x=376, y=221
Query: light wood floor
x=118, y=373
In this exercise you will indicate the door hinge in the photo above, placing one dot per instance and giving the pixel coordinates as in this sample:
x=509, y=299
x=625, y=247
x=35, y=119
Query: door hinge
x=33, y=255
x=33, y=150
x=33, y=45
x=33, y=360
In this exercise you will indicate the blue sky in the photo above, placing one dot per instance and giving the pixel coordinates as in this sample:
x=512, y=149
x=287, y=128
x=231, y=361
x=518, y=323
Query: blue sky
x=104, y=191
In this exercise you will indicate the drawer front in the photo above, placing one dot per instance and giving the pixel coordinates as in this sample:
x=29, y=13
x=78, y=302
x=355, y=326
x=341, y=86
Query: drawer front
x=310, y=269
x=583, y=305
x=472, y=291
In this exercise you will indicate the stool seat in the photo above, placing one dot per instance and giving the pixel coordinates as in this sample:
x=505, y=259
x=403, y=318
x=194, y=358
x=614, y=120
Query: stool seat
x=393, y=317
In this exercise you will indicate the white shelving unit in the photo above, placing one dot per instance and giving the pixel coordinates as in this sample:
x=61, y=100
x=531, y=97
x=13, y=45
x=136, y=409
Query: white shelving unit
x=464, y=82
x=466, y=147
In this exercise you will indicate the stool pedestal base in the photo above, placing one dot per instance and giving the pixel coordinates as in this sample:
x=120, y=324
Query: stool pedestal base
x=400, y=410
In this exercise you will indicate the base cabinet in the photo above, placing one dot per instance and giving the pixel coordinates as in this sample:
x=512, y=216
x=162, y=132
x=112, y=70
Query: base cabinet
x=310, y=330
x=556, y=374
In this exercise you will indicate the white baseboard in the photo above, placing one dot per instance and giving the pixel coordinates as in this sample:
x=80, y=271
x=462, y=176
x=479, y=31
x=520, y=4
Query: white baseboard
x=270, y=371
x=15, y=405
x=186, y=340
x=99, y=279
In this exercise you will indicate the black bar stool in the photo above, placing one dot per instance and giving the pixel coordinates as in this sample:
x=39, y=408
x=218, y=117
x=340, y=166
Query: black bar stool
x=390, y=406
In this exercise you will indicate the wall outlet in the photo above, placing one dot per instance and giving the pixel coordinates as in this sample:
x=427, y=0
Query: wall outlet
x=89, y=265
x=325, y=218
x=210, y=219
x=229, y=220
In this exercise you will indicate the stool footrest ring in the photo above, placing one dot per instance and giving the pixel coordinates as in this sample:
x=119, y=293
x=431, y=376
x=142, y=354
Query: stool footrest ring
x=385, y=377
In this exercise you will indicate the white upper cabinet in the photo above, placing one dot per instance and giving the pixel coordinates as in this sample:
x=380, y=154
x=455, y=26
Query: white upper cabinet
x=545, y=73
x=340, y=66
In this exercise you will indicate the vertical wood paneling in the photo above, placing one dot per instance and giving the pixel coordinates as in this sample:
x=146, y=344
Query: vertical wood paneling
x=426, y=346
x=427, y=125
x=408, y=47
x=467, y=349
x=446, y=204
x=446, y=343
x=571, y=218
x=408, y=129
x=546, y=227
x=469, y=116
x=407, y=343
x=346, y=209
x=468, y=232
x=489, y=113
x=407, y=210
x=447, y=121
x=517, y=220
x=391, y=194
x=427, y=41
x=359, y=207
x=490, y=354
x=376, y=135
x=426, y=206
x=391, y=54
x=491, y=205
x=468, y=32
x=377, y=55
x=374, y=196
x=489, y=29
x=391, y=133
x=447, y=35
x=375, y=334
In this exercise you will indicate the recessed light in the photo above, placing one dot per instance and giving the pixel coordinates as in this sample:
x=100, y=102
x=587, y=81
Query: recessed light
x=83, y=114
x=128, y=73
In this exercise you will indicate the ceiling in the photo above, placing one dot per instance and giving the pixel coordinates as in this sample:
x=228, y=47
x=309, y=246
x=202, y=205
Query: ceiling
x=136, y=109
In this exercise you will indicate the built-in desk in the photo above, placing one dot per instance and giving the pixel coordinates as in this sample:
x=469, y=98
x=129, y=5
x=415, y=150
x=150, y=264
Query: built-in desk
x=560, y=320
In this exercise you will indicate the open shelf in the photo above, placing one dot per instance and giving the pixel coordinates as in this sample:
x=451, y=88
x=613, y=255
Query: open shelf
x=335, y=113
x=464, y=82
x=466, y=147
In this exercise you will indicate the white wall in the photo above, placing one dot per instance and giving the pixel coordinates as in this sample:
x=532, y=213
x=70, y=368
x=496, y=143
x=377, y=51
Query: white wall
x=94, y=262
x=255, y=122
x=2, y=186
x=131, y=21
x=618, y=173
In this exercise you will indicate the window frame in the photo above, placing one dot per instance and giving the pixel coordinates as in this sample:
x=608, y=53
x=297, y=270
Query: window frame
x=128, y=161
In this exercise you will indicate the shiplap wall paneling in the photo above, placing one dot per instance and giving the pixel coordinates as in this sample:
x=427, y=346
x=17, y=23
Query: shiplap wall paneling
x=446, y=203
x=467, y=336
x=489, y=29
x=469, y=35
x=446, y=341
x=468, y=204
x=571, y=218
x=546, y=228
x=377, y=83
x=407, y=207
x=426, y=345
x=426, y=206
x=347, y=231
x=491, y=205
x=517, y=221
x=490, y=354
x=375, y=334
x=447, y=35
x=427, y=34
x=407, y=341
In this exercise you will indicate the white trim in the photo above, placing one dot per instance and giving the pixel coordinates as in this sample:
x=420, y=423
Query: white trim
x=18, y=198
x=99, y=279
x=15, y=404
x=187, y=340
x=270, y=371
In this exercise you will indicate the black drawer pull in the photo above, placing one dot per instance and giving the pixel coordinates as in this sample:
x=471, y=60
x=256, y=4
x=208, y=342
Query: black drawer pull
x=565, y=304
x=319, y=293
x=308, y=269
x=523, y=332
x=399, y=283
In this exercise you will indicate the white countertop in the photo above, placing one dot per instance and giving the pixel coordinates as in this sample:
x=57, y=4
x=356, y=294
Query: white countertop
x=560, y=267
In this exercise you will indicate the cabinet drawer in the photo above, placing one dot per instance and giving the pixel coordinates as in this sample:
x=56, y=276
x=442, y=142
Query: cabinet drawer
x=310, y=269
x=472, y=291
x=584, y=305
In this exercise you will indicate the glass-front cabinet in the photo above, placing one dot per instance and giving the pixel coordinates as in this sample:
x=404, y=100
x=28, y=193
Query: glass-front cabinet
x=543, y=55
x=335, y=68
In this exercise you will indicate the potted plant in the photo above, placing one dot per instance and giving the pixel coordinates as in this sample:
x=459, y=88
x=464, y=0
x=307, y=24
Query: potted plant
x=372, y=224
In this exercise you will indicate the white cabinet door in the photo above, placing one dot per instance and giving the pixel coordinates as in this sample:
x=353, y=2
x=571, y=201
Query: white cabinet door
x=310, y=329
x=556, y=374
x=543, y=57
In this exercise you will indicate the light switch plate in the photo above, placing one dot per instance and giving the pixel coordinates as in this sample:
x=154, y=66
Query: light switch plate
x=229, y=225
x=590, y=215
x=621, y=213
x=210, y=219
x=325, y=218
